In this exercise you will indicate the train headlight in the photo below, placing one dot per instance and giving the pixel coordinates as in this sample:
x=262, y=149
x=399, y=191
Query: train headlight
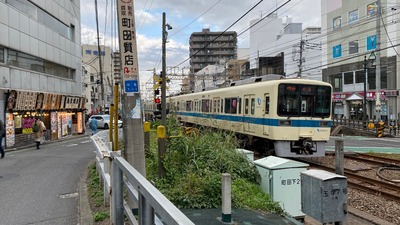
x=285, y=123
x=324, y=123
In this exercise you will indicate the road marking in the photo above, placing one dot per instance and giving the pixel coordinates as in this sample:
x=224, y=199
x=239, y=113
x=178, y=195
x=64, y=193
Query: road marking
x=70, y=195
x=87, y=141
x=71, y=145
x=368, y=149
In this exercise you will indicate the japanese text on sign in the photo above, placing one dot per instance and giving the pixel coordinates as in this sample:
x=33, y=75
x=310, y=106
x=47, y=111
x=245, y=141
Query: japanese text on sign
x=127, y=40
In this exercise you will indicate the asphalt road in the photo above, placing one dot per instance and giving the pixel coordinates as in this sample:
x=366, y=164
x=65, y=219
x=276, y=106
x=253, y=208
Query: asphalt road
x=366, y=144
x=41, y=186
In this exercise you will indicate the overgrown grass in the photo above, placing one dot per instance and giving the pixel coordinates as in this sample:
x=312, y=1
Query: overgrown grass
x=194, y=165
x=96, y=197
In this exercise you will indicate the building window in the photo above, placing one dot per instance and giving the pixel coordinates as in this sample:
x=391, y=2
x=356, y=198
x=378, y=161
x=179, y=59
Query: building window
x=71, y=33
x=1, y=55
x=337, y=23
x=348, y=78
x=360, y=76
x=353, y=17
x=29, y=62
x=353, y=47
x=371, y=9
x=336, y=82
x=371, y=42
x=337, y=51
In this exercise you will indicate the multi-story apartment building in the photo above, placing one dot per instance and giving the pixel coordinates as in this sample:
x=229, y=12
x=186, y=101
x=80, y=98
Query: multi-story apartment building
x=209, y=48
x=99, y=97
x=350, y=30
x=40, y=68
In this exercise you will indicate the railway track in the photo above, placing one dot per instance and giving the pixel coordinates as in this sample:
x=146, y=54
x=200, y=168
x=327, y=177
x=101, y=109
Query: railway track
x=373, y=186
x=372, y=159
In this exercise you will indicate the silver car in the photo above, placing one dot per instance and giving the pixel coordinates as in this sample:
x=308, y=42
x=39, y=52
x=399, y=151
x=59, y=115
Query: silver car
x=103, y=121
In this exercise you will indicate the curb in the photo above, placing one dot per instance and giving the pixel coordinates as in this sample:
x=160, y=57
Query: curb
x=85, y=214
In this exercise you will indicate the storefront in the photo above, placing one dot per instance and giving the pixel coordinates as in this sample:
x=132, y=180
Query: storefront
x=349, y=105
x=61, y=114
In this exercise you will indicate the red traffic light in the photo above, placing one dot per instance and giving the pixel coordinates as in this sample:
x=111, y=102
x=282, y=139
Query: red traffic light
x=157, y=100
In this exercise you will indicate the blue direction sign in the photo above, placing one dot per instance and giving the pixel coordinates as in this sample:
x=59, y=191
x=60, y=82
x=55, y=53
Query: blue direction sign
x=131, y=86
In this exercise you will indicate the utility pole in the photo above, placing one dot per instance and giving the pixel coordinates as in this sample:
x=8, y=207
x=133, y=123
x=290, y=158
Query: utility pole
x=378, y=107
x=165, y=26
x=132, y=112
x=301, y=57
x=163, y=80
x=100, y=64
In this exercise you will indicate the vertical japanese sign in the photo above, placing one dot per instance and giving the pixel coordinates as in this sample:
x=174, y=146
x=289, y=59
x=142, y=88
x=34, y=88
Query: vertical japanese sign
x=128, y=47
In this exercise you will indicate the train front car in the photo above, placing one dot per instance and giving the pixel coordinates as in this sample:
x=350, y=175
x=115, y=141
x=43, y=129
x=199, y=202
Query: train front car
x=303, y=118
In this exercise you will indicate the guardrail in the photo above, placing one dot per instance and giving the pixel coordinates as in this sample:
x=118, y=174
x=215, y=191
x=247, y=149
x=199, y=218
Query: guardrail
x=116, y=174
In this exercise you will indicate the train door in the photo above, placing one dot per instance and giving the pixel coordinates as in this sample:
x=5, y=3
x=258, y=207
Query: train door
x=248, y=113
x=266, y=127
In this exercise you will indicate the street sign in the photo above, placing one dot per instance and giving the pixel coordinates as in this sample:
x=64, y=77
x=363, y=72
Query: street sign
x=131, y=87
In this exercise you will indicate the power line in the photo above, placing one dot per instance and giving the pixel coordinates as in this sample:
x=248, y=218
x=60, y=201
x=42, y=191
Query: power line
x=221, y=33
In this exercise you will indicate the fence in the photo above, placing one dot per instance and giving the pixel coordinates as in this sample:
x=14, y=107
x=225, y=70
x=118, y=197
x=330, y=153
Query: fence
x=389, y=128
x=118, y=175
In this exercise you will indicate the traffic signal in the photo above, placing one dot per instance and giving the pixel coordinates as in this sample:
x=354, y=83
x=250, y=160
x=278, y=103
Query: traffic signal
x=157, y=100
x=156, y=92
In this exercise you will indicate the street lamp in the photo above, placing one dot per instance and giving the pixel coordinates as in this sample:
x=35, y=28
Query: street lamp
x=371, y=58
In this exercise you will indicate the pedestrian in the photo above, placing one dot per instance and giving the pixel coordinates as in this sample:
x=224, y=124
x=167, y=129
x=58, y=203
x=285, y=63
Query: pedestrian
x=93, y=125
x=2, y=134
x=38, y=129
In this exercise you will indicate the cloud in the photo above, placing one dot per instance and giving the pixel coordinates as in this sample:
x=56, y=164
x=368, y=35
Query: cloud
x=187, y=17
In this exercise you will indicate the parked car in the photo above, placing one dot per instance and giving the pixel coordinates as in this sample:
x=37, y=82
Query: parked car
x=103, y=121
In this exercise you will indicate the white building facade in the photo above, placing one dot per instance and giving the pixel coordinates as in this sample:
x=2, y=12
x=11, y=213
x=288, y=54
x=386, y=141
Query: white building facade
x=350, y=32
x=272, y=36
x=40, y=68
x=98, y=99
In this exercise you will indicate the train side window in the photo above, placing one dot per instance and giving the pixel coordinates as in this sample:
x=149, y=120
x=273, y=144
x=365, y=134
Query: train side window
x=222, y=105
x=253, y=104
x=246, y=106
x=205, y=105
x=233, y=106
x=240, y=105
x=227, y=105
x=189, y=106
x=267, y=105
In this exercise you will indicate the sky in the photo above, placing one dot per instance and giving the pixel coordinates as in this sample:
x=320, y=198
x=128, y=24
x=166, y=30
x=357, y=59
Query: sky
x=186, y=17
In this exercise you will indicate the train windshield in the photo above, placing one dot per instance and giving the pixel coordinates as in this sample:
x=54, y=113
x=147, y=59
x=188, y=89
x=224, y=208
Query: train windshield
x=304, y=100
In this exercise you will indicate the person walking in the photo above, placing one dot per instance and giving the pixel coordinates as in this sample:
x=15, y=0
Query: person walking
x=38, y=129
x=2, y=134
x=93, y=125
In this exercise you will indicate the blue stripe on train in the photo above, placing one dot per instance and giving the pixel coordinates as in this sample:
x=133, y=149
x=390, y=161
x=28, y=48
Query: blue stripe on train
x=255, y=120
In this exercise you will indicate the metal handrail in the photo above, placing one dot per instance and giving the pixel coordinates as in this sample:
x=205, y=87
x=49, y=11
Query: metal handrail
x=117, y=173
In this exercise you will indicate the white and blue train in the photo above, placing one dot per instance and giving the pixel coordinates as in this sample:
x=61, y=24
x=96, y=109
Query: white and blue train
x=289, y=116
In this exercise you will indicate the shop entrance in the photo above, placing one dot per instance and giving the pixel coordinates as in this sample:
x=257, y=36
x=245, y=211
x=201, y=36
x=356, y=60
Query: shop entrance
x=356, y=110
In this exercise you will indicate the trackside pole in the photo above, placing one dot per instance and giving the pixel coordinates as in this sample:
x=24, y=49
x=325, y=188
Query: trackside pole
x=146, y=129
x=226, y=198
x=339, y=154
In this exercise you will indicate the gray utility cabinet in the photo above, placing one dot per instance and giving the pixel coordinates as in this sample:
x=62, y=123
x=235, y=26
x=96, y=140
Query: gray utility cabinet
x=280, y=178
x=324, y=195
